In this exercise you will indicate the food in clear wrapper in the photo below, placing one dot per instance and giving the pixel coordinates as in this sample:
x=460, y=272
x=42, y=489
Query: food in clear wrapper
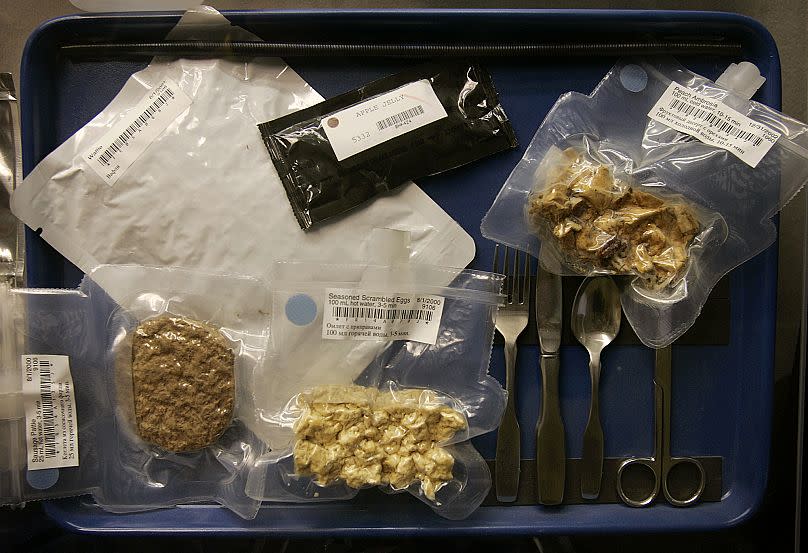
x=678, y=180
x=600, y=223
x=176, y=353
x=182, y=375
x=393, y=407
x=366, y=437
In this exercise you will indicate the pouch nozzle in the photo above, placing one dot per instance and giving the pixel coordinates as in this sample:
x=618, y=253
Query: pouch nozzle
x=743, y=79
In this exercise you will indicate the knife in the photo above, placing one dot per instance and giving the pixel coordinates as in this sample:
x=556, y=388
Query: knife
x=551, y=454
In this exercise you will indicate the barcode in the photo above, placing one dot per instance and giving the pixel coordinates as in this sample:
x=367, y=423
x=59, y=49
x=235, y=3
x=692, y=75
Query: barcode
x=384, y=314
x=48, y=422
x=400, y=117
x=142, y=121
x=721, y=124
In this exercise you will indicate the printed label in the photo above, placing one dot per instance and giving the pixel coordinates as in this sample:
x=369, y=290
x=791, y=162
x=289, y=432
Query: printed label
x=50, y=412
x=118, y=149
x=714, y=123
x=379, y=119
x=351, y=314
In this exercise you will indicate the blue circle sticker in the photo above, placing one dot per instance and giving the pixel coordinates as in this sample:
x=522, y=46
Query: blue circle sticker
x=301, y=309
x=42, y=479
x=633, y=78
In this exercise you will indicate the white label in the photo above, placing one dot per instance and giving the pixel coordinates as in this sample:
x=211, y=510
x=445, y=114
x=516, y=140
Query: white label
x=351, y=314
x=118, y=149
x=379, y=119
x=714, y=123
x=50, y=412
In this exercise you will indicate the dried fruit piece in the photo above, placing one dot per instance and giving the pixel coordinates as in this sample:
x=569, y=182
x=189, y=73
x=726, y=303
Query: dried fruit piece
x=601, y=223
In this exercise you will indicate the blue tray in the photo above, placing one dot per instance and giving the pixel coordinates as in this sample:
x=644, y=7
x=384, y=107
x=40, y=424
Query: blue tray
x=722, y=394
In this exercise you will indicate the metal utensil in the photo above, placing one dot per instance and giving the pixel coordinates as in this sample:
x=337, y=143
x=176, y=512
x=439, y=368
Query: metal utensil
x=551, y=454
x=660, y=470
x=511, y=321
x=596, y=316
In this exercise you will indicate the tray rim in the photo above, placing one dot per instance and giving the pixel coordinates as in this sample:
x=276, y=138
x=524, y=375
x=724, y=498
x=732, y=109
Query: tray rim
x=55, y=508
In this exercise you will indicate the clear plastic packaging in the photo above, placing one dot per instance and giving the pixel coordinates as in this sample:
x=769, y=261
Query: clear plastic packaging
x=605, y=189
x=598, y=223
x=173, y=352
x=337, y=312
x=43, y=326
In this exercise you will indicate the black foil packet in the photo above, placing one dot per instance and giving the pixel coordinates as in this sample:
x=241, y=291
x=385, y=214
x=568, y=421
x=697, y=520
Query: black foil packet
x=420, y=122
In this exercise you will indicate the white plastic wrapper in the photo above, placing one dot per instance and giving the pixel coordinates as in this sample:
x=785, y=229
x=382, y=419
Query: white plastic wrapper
x=173, y=172
x=683, y=177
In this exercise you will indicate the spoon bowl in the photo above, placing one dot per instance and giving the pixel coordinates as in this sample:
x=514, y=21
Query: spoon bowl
x=596, y=313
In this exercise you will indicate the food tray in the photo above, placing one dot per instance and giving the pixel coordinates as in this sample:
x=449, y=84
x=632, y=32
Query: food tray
x=722, y=393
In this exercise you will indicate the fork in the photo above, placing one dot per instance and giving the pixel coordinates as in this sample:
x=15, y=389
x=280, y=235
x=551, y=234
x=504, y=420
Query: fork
x=511, y=321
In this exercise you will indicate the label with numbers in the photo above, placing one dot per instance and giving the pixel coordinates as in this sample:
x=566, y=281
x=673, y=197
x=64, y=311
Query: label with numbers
x=350, y=314
x=714, y=123
x=51, y=432
x=381, y=118
x=120, y=147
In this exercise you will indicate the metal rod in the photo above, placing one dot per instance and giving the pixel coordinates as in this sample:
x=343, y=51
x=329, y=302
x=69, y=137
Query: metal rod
x=193, y=48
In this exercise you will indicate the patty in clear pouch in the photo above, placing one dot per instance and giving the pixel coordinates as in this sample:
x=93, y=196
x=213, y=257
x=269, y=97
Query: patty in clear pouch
x=177, y=356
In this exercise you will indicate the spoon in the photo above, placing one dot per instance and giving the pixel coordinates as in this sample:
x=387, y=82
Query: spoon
x=596, y=318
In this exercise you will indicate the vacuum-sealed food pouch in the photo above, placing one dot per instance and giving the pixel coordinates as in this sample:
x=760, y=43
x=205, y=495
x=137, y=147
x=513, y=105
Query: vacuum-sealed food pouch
x=53, y=403
x=341, y=153
x=660, y=176
x=598, y=223
x=178, y=357
x=412, y=384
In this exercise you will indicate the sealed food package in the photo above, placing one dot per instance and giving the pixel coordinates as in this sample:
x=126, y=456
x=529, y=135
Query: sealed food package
x=177, y=367
x=341, y=153
x=598, y=223
x=183, y=382
x=53, y=403
x=659, y=176
x=392, y=411
x=173, y=172
x=364, y=437
x=12, y=243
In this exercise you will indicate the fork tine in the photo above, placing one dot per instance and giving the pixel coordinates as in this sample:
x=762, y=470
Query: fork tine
x=526, y=285
x=508, y=275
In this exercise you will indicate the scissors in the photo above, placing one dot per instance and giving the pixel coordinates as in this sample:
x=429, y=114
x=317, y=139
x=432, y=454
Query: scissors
x=681, y=479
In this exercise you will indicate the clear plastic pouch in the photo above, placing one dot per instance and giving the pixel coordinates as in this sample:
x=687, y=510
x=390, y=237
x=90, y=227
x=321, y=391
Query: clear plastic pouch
x=728, y=192
x=177, y=362
x=53, y=403
x=392, y=351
